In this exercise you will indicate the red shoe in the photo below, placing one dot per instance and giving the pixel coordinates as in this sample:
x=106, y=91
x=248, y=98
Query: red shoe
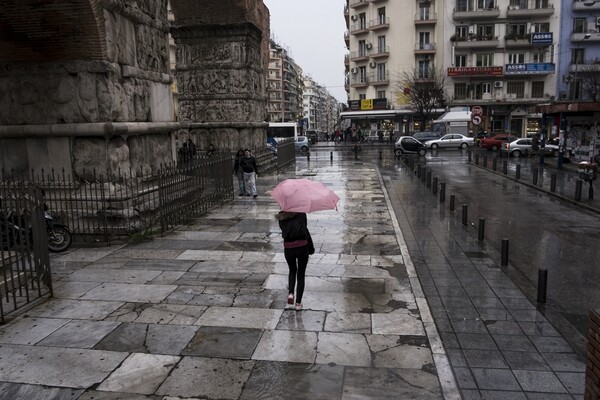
x=298, y=306
x=290, y=299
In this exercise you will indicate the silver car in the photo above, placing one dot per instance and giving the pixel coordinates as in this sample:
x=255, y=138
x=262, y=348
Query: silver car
x=451, y=141
x=522, y=146
x=302, y=143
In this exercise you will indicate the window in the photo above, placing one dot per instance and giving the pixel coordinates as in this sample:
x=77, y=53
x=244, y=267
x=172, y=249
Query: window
x=540, y=27
x=484, y=59
x=519, y=31
x=485, y=4
x=516, y=88
x=424, y=40
x=362, y=71
x=519, y=4
x=462, y=5
x=362, y=96
x=460, y=60
x=482, y=89
x=541, y=3
x=537, y=89
x=485, y=32
x=424, y=69
x=362, y=21
x=577, y=56
x=424, y=11
x=538, y=57
x=462, y=31
x=381, y=94
x=516, y=58
x=460, y=91
x=381, y=44
x=381, y=16
x=381, y=72
x=579, y=25
x=362, y=48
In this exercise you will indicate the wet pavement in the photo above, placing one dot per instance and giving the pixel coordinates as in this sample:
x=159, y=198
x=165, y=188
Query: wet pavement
x=400, y=303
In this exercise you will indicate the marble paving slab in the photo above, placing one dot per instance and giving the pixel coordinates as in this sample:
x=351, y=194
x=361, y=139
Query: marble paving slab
x=80, y=334
x=30, y=330
x=136, y=293
x=76, y=309
x=256, y=318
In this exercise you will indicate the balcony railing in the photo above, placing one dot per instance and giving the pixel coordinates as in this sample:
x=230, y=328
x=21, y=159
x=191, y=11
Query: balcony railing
x=359, y=55
x=379, y=78
x=475, y=42
x=470, y=15
x=359, y=81
x=425, y=48
x=585, y=5
x=517, y=12
x=379, y=23
x=358, y=28
x=358, y=3
x=380, y=51
x=425, y=18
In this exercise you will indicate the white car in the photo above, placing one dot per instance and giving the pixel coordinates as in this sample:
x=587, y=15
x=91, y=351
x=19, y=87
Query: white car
x=451, y=141
x=302, y=143
x=522, y=146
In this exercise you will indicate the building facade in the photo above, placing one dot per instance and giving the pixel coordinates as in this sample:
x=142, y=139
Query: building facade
x=284, y=86
x=321, y=109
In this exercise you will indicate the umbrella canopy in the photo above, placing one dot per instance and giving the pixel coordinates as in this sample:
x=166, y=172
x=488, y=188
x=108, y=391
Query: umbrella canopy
x=303, y=195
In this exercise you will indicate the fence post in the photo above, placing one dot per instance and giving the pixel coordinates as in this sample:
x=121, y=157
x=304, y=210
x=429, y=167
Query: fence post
x=465, y=211
x=442, y=192
x=495, y=163
x=505, y=167
x=578, y=183
x=452, y=202
x=434, y=185
x=553, y=183
x=481, y=234
x=518, y=173
x=534, y=173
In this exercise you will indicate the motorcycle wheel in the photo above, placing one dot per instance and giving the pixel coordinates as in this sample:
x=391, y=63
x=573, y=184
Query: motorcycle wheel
x=59, y=239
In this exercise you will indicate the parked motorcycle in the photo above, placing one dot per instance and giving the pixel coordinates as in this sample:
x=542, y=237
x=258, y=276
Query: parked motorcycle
x=17, y=229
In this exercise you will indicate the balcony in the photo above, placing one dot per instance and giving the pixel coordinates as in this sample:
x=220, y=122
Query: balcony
x=425, y=48
x=376, y=1
x=359, y=56
x=583, y=68
x=475, y=42
x=379, y=23
x=347, y=38
x=379, y=79
x=515, y=12
x=585, y=5
x=424, y=75
x=358, y=3
x=587, y=37
x=476, y=15
x=347, y=59
x=359, y=81
x=359, y=28
x=380, y=51
x=428, y=18
x=514, y=41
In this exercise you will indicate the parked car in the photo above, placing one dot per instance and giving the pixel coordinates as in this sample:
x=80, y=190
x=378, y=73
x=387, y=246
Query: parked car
x=409, y=145
x=450, y=140
x=302, y=143
x=522, y=146
x=495, y=142
x=426, y=135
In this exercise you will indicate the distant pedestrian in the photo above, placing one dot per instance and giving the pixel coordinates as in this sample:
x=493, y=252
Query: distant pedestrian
x=297, y=246
x=211, y=150
x=239, y=173
x=248, y=166
x=535, y=145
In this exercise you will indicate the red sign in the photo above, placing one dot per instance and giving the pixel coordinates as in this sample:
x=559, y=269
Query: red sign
x=475, y=71
x=477, y=110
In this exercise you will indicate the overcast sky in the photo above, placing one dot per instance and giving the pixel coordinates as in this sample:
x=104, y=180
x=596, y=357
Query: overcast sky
x=313, y=33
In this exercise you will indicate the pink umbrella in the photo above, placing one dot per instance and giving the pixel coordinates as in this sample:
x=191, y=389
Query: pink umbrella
x=303, y=195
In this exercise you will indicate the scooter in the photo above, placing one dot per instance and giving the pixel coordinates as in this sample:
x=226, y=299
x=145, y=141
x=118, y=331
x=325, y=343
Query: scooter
x=15, y=230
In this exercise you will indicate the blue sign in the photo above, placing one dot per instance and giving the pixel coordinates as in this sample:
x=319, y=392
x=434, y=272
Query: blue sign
x=520, y=69
x=541, y=38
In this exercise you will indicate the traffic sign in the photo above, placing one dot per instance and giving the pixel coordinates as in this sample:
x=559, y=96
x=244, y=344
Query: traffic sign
x=476, y=119
x=477, y=110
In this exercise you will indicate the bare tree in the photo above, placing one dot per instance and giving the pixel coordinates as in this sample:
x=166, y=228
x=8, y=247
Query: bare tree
x=424, y=91
x=591, y=81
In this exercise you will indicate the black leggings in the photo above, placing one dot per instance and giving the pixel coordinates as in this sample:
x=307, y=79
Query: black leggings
x=297, y=259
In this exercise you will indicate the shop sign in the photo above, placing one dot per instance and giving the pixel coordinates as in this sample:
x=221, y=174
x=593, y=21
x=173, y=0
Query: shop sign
x=541, y=38
x=475, y=71
x=367, y=104
x=529, y=69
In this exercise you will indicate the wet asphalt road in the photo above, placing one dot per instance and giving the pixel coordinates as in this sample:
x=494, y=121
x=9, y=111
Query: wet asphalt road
x=543, y=232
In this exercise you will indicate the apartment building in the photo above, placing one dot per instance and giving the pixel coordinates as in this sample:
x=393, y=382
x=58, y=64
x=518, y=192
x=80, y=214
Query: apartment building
x=502, y=57
x=284, y=86
x=385, y=39
x=321, y=109
x=579, y=62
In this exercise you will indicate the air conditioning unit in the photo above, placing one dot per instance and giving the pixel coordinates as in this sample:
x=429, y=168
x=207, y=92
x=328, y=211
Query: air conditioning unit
x=597, y=21
x=369, y=46
x=372, y=64
x=472, y=29
x=498, y=84
x=354, y=18
x=354, y=70
x=563, y=95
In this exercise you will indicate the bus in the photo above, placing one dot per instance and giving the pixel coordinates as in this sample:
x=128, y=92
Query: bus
x=282, y=130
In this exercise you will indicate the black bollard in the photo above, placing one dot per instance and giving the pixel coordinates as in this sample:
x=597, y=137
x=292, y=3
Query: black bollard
x=465, y=211
x=380, y=157
x=504, y=253
x=481, y=234
x=553, y=183
x=442, y=192
x=591, y=192
x=434, y=185
x=485, y=161
x=428, y=179
x=469, y=155
x=452, y=202
x=308, y=156
x=578, y=190
x=331, y=155
x=505, y=167
x=542, y=284
x=534, y=173
x=495, y=164
x=476, y=159
x=518, y=174
x=418, y=170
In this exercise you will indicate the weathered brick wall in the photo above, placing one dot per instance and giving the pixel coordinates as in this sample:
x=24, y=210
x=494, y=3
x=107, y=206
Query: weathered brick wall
x=592, y=372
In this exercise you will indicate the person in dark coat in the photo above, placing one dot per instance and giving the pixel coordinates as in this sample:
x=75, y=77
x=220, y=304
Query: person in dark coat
x=296, y=250
x=248, y=166
x=237, y=170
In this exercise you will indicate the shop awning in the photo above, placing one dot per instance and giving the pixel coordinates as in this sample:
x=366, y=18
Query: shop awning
x=455, y=116
x=374, y=114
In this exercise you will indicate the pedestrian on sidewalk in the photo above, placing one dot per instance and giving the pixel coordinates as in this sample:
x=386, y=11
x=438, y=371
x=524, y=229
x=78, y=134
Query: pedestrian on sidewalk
x=297, y=246
x=535, y=146
x=239, y=173
x=248, y=165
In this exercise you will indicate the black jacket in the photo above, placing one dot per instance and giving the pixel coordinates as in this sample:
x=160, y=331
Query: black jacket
x=248, y=164
x=293, y=226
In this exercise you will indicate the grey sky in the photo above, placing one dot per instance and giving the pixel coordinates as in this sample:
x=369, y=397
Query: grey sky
x=313, y=33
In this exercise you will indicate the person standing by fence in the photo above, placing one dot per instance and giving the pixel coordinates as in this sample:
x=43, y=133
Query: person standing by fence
x=239, y=173
x=248, y=166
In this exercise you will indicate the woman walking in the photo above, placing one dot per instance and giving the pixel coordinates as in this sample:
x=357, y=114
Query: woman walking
x=297, y=246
